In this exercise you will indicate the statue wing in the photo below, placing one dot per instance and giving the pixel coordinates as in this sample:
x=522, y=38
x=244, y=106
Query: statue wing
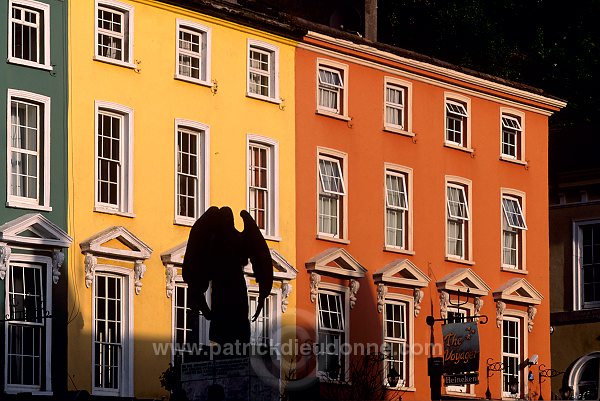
x=198, y=261
x=260, y=256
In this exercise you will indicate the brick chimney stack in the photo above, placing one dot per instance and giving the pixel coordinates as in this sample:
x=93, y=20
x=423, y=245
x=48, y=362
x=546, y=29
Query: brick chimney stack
x=371, y=20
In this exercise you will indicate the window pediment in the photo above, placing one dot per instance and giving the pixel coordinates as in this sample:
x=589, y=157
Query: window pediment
x=401, y=272
x=463, y=279
x=336, y=262
x=518, y=290
x=174, y=255
x=116, y=242
x=34, y=229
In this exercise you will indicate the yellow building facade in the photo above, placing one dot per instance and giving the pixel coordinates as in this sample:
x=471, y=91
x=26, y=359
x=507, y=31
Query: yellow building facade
x=171, y=111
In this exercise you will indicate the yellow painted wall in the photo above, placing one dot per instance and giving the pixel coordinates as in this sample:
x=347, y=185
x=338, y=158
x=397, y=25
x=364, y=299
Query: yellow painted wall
x=157, y=100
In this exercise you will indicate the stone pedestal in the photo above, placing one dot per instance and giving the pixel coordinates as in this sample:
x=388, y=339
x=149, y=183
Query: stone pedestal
x=231, y=379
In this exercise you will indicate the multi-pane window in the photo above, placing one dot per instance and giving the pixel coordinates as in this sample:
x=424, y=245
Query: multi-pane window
x=193, y=44
x=113, y=153
x=396, y=203
x=395, y=339
x=110, y=157
x=513, y=225
x=332, y=191
x=395, y=106
x=260, y=329
x=109, y=331
x=189, y=328
x=331, y=87
x=511, y=355
x=29, y=33
x=456, y=123
x=331, y=335
x=113, y=31
x=26, y=329
x=25, y=156
x=588, y=264
x=259, y=185
x=189, y=167
x=262, y=70
x=458, y=219
x=511, y=136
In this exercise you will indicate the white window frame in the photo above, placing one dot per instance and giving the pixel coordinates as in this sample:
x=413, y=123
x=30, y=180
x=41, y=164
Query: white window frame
x=45, y=386
x=341, y=109
x=203, y=324
x=271, y=230
x=202, y=195
x=43, y=53
x=127, y=36
x=406, y=87
x=126, y=375
x=460, y=107
x=273, y=73
x=518, y=117
x=406, y=379
x=341, y=198
x=465, y=222
x=43, y=173
x=273, y=308
x=204, y=55
x=518, y=232
x=343, y=293
x=125, y=196
x=519, y=355
x=405, y=174
x=578, y=294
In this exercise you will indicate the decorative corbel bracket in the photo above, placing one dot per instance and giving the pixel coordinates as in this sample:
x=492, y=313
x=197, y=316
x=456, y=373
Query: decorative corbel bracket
x=444, y=302
x=139, y=269
x=531, y=312
x=58, y=258
x=500, y=308
x=418, y=295
x=354, y=286
x=90, y=262
x=286, y=288
x=5, y=252
x=315, y=280
x=170, y=273
x=381, y=293
x=478, y=305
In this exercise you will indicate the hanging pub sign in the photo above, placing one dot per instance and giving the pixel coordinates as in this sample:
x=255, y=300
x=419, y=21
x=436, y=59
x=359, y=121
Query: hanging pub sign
x=461, y=353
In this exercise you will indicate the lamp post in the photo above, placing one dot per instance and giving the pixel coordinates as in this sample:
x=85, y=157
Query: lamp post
x=492, y=366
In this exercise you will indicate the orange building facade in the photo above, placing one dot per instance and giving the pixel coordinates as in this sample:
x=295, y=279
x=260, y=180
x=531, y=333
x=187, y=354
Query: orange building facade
x=418, y=182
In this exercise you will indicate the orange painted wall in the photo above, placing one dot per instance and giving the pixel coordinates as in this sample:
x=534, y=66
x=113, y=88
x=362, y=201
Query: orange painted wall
x=368, y=148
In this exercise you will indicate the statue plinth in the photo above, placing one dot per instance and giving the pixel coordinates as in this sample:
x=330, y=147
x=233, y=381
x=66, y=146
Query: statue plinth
x=231, y=378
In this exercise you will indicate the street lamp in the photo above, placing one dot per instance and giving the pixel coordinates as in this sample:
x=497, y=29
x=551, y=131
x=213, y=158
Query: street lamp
x=393, y=376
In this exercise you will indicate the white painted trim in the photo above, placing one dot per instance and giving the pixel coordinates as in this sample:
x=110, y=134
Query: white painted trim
x=426, y=67
x=407, y=172
x=521, y=317
x=408, y=301
x=575, y=371
x=95, y=244
x=468, y=245
x=521, y=115
x=126, y=379
x=125, y=206
x=45, y=382
x=205, y=56
x=519, y=196
x=203, y=161
x=466, y=129
x=407, y=87
x=275, y=328
x=387, y=275
x=343, y=70
x=505, y=292
x=274, y=75
x=272, y=177
x=452, y=282
x=43, y=103
x=344, y=291
x=343, y=212
x=55, y=237
x=577, y=243
x=321, y=264
x=127, y=9
x=44, y=10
